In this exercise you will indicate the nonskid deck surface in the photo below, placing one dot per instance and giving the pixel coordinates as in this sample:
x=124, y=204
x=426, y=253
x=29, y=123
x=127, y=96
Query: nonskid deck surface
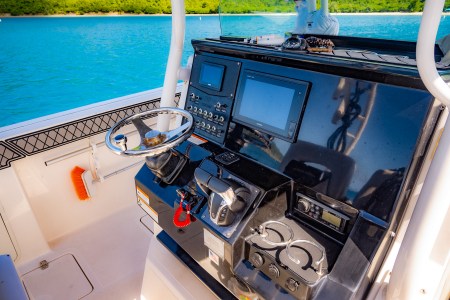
x=105, y=260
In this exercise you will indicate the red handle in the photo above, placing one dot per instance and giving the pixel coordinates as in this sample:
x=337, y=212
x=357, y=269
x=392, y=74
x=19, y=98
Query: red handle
x=176, y=217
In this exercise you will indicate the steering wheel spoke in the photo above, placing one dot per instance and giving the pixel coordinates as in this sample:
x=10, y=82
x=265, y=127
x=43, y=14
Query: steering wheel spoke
x=141, y=127
x=176, y=132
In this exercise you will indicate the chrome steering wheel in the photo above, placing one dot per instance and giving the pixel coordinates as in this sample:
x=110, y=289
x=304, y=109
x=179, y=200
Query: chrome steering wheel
x=153, y=142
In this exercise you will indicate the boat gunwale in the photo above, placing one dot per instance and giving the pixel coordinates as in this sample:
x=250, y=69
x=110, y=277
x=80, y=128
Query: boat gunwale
x=27, y=138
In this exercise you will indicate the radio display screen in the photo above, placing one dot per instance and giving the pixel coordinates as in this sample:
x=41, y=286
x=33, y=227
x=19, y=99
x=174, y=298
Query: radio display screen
x=330, y=218
x=272, y=104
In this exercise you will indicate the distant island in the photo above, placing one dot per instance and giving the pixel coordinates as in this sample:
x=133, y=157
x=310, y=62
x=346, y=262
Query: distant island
x=81, y=7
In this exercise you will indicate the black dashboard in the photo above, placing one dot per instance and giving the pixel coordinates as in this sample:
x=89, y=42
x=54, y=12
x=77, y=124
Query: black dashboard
x=336, y=135
x=301, y=164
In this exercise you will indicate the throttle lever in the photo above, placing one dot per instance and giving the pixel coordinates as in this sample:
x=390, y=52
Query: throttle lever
x=225, y=196
x=228, y=191
x=202, y=178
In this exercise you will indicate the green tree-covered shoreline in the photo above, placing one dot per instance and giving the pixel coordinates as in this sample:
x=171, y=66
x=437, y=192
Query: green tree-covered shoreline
x=80, y=7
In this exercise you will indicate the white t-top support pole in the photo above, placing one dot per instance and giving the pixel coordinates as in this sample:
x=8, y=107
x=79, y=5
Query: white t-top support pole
x=425, y=51
x=419, y=269
x=173, y=61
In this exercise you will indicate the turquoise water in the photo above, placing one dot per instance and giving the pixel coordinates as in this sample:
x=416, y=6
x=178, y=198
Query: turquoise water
x=51, y=64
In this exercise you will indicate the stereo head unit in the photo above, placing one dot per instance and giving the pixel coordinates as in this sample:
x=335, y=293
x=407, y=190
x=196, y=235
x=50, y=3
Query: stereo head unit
x=321, y=213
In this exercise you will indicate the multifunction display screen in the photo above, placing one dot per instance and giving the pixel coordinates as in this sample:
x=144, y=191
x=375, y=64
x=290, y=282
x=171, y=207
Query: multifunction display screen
x=272, y=104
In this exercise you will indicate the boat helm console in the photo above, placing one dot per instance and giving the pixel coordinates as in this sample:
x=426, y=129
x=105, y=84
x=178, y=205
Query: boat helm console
x=297, y=169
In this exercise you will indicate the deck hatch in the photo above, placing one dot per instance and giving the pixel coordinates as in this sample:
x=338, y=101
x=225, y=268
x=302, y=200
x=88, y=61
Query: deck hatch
x=61, y=278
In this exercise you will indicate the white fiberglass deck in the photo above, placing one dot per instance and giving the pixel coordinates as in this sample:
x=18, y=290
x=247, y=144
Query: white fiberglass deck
x=117, y=257
x=111, y=253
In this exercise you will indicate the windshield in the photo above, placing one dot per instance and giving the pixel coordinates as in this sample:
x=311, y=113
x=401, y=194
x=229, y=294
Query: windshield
x=393, y=20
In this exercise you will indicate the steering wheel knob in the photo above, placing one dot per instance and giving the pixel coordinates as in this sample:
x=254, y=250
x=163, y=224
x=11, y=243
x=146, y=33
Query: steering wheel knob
x=121, y=141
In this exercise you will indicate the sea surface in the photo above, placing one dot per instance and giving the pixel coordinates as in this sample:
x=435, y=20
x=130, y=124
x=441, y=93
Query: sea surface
x=51, y=64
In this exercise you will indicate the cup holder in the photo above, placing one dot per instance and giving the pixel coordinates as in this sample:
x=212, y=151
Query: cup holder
x=263, y=233
x=318, y=263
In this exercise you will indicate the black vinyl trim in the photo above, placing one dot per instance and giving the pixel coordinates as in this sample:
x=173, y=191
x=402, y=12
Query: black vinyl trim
x=42, y=140
x=8, y=154
x=46, y=139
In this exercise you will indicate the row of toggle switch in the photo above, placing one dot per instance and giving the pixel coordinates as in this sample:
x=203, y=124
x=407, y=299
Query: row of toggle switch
x=205, y=126
x=194, y=97
x=205, y=114
x=218, y=106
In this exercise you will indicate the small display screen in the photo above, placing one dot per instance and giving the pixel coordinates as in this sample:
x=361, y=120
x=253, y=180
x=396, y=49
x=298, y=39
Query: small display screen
x=270, y=103
x=211, y=76
x=332, y=219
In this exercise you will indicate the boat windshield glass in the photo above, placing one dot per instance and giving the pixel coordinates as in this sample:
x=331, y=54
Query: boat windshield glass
x=272, y=19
